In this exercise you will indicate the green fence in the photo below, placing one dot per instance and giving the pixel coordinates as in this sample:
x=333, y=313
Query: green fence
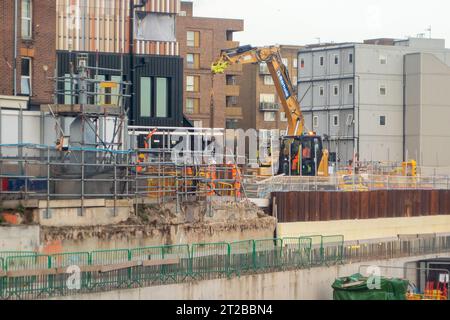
x=128, y=268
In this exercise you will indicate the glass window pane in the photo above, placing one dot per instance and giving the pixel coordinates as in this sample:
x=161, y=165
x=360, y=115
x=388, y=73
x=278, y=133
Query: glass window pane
x=146, y=97
x=25, y=85
x=162, y=97
x=25, y=67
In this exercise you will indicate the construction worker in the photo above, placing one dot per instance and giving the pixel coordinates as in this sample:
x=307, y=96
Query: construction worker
x=141, y=159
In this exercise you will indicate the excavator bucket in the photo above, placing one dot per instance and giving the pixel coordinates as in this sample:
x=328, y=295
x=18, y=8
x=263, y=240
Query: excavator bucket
x=219, y=66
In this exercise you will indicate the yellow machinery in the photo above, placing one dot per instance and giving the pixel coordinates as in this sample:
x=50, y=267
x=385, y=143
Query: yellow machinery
x=301, y=153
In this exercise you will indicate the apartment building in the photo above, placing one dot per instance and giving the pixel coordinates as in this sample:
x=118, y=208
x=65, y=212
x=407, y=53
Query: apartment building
x=368, y=100
x=258, y=96
x=208, y=102
x=27, y=38
x=42, y=38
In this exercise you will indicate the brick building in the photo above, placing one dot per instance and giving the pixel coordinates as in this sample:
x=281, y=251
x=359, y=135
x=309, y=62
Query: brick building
x=50, y=33
x=258, y=95
x=200, y=41
x=26, y=63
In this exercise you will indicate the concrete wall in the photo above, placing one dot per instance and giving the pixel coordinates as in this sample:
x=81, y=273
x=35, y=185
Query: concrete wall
x=367, y=229
x=312, y=284
x=19, y=238
x=122, y=236
x=97, y=212
x=427, y=109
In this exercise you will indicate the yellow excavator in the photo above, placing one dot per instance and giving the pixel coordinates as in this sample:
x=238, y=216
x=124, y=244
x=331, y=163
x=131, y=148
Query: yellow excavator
x=302, y=153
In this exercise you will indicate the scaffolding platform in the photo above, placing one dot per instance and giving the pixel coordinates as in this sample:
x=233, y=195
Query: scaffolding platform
x=73, y=110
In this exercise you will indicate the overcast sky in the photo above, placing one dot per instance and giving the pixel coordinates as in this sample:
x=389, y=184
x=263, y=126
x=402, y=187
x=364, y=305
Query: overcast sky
x=302, y=22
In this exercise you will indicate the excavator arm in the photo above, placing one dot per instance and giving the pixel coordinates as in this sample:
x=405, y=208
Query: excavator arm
x=280, y=74
x=292, y=161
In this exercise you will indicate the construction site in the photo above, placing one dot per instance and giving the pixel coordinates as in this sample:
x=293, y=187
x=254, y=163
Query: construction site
x=137, y=211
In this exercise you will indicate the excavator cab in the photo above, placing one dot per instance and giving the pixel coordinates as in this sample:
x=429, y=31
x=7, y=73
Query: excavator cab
x=301, y=155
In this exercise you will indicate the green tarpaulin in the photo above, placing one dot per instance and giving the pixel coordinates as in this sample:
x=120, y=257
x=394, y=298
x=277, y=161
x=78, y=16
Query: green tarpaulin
x=356, y=287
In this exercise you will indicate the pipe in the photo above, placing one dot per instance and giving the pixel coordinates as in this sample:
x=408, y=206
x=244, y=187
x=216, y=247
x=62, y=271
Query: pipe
x=15, y=47
x=131, y=48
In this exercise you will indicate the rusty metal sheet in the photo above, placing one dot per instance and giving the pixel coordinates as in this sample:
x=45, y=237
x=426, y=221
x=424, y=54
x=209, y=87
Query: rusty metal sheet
x=364, y=205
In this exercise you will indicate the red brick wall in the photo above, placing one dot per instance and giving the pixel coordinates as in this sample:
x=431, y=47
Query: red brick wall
x=42, y=48
x=213, y=39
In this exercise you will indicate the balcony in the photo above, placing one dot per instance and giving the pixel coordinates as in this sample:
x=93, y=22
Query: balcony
x=234, y=69
x=263, y=69
x=231, y=44
x=269, y=106
x=233, y=113
x=232, y=90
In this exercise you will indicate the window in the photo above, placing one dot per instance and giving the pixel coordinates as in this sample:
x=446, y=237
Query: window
x=350, y=58
x=286, y=62
x=336, y=120
x=316, y=121
x=26, y=19
x=25, y=77
x=231, y=80
x=162, y=97
x=283, y=117
x=193, y=61
x=268, y=81
x=192, y=106
x=269, y=116
x=154, y=97
x=383, y=60
x=322, y=61
x=335, y=90
x=382, y=120
x=232, y=124
x=192, y=83
x=382, y=90
x=193, y=39
x=295, y=63
x=198, y=124
x=350, y=88
x=336, y=59
x=183, y=13
x=349, y=120
x=231, y=101
x=146, y=97
x=321, y=91
x=267, y=97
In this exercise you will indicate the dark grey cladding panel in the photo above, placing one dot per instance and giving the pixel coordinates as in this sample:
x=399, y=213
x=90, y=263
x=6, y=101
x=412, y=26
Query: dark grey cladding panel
x=145, y=65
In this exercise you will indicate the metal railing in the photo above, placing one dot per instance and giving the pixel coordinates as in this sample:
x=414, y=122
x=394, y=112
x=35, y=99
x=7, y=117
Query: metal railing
x=44, y=173
x=362, y=182
x=35, y=276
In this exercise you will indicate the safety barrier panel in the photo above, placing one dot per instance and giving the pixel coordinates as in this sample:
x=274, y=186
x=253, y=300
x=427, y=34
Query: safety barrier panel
x=210, y=258
x=242, y=259
x=34, y=276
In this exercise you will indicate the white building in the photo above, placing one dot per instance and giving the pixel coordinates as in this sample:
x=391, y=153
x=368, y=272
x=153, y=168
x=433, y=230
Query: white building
x=379, y=99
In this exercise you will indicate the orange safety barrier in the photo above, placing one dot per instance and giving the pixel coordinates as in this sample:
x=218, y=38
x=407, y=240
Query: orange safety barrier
x=236, y=174
x=212, y=176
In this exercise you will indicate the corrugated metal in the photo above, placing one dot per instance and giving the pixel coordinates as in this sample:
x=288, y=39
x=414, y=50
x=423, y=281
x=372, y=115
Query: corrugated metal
x=150, y=66
x=103, y=25
x=326, y=206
